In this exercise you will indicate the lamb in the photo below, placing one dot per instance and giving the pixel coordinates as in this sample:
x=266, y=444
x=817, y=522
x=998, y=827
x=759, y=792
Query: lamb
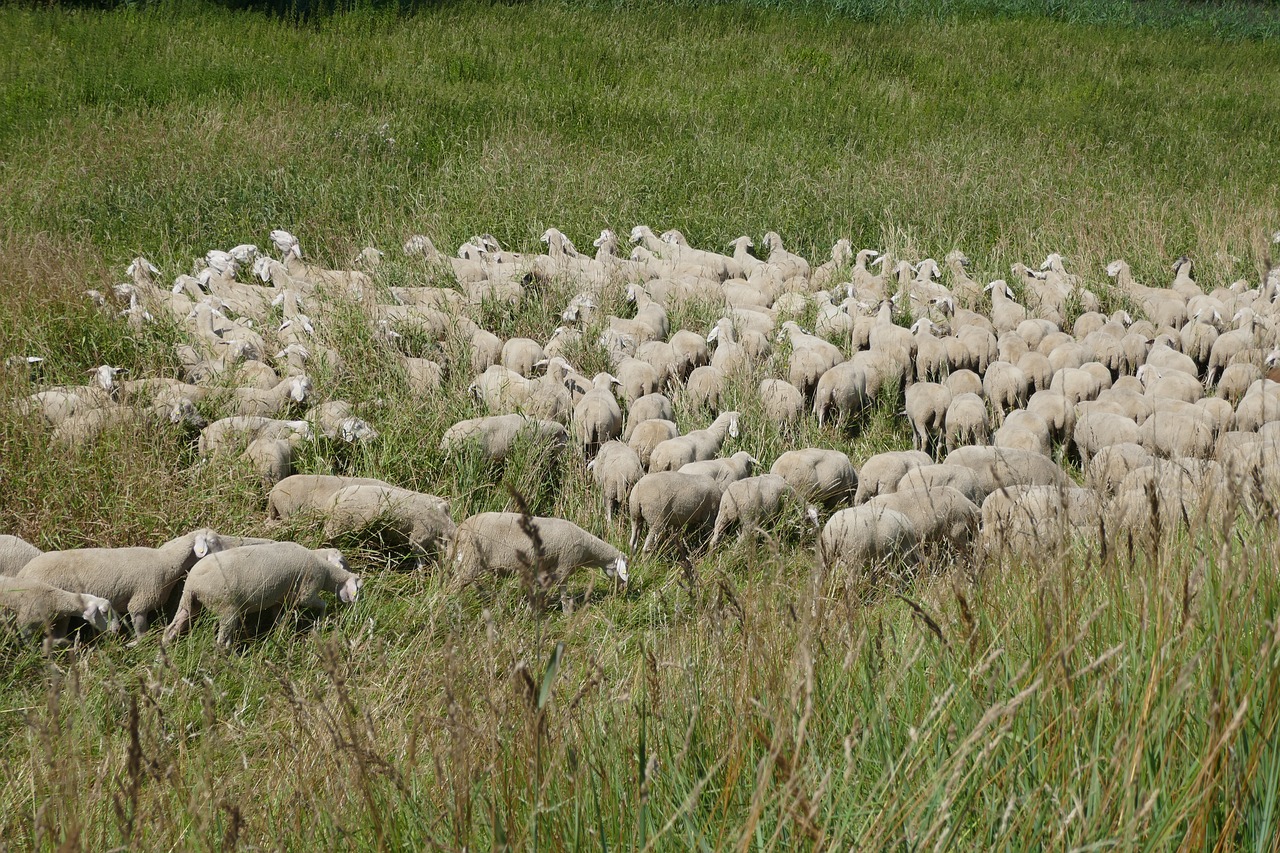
x=498, y=543
x=648, y=407
x=39, y=607
x=597, y=418
x=498, y=435
x=309, y=493
x=859, y=538
x=695, y=446
x=616, y=468
x=671, y=502
x=818, y=475
x=782, y=402
x=967, y=422
x=724, y=471
x=136, y=581
x=880, y=474
x=926, y=409
x=419, y=520
x=267, y=577
x=647, y=435
x=14, y=554
x=751, y=503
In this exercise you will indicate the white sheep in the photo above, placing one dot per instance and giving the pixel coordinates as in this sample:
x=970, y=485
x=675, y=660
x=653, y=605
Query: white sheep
x=616, y=468
x=694, y=446
x=841, y=393
x=497, y=435
x=500, y=543
x=966, y=422
x=416, y=519
x=303, y=493
x=1006, y=466
x=782, y=402
x=38, y=607
x=863, y=537
x=223, y=435
x=940, y=515
x=597, y=417
x=704, y=388
x=751, y=503
x=648, y=407
x=670, y=503
x=136, y=581
x=647, y=435
x=243, y=581
x=14, y=554
x=724, y=471
x=818, y=475
x=880, y=474
x=926, y=410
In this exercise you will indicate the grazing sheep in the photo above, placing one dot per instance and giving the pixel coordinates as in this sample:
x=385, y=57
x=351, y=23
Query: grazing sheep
x=1056, y=411
x=880, y=474
x=704, y=387
x=242, y=581
x=939, y=515
x=967, y=422
x=691, y=350
x=963, y=382
x=962, y=479
x=38, y=607
x=782, y=402
x=860, y=538
x=14, y=554
x=1038, y=520
x=497, y=543
x=841, y=392
x=647, y=435
x=751, y=503
x=1178, y=436
x=223, y=435
x=1004, y=466
x=310, y=493
x=1005, y=386
x=497, y=435
x=597, y=417
x=724, y=471
x=270, y=458
x=1111, y=464
x=521, y=354
x=136, y=581
x=648, y=407
x=694, y=446
x=616, y=468
x=818, y=475
x=418, y=520
x=671, y=504
x=926, y=409
x=1096, y=430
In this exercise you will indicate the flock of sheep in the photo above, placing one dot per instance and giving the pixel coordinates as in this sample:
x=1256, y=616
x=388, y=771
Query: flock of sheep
x=1168, y=404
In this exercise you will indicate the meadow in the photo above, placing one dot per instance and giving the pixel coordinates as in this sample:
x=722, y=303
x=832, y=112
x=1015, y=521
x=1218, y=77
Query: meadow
x=745, y=700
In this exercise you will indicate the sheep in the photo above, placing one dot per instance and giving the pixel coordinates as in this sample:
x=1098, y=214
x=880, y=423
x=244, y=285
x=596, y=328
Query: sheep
x=694, y=446
x=669, y=503
x=648, y=407
x=864, y=536
x=84, y=428
x=309, y=493
x=1178, y=435
x=1005, y=466
x=1058, y=412
x=782, y=402
x=419, y=520
x=336, y=420
x=788, y=264
x=1235, y=381
x=521, y=354
x=616, y=468
x=497, y=436
x=926, y=410
x=704, y=388
x=1005, y=386
x=637, y=378
x=724, y=471
x=255, y=402
x=751, y=503
x=14, y=554
x=647, y=435
x=691, y=351
x=841, y=392
x=268, y=577
x=270, y=458
x=880, y=474
x=939, y=515
x=818, y=475
x=963, y=381
x=1096, y=430
x=38, y=607
x=962, y=479
x=597, y=418
x=1025, y=430
x=1111, y=464
x=966, y=422
x=222, y=435
x=502, y=389
x=136, y=581
x=502, y=543
x=1037, y=520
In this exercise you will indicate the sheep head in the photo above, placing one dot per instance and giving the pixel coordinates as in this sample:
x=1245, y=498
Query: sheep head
x=99, y=613
x=640, y=232
x=617, y=568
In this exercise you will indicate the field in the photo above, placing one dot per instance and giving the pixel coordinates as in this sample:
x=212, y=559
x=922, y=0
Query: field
x=1085, y=701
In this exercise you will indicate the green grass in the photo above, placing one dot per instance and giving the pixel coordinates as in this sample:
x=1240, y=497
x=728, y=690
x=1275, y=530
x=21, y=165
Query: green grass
x=746, y=700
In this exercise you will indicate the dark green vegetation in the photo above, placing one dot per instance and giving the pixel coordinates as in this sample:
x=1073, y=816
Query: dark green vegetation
x=750, y=702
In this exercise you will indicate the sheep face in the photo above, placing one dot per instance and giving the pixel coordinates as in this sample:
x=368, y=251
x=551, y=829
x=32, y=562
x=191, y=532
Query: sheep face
x=99, y=613
x=351, y=589
x=618, y=569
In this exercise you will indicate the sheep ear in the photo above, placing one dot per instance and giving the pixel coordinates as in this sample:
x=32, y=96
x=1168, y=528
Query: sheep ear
x=203, y=546
x=619, y=567
x=591, y=466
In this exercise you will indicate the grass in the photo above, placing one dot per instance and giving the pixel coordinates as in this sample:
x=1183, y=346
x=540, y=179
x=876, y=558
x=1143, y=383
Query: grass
x=746, y=700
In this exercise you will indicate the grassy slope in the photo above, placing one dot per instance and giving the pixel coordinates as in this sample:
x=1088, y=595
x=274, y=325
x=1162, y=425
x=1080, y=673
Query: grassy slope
x=1067, y=703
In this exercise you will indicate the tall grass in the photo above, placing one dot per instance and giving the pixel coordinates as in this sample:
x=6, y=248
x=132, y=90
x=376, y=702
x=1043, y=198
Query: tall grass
x=746, y=699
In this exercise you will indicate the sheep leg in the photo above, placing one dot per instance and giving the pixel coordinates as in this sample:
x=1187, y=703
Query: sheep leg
x=181, y=620
x=140, y=623
x=228, y=627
